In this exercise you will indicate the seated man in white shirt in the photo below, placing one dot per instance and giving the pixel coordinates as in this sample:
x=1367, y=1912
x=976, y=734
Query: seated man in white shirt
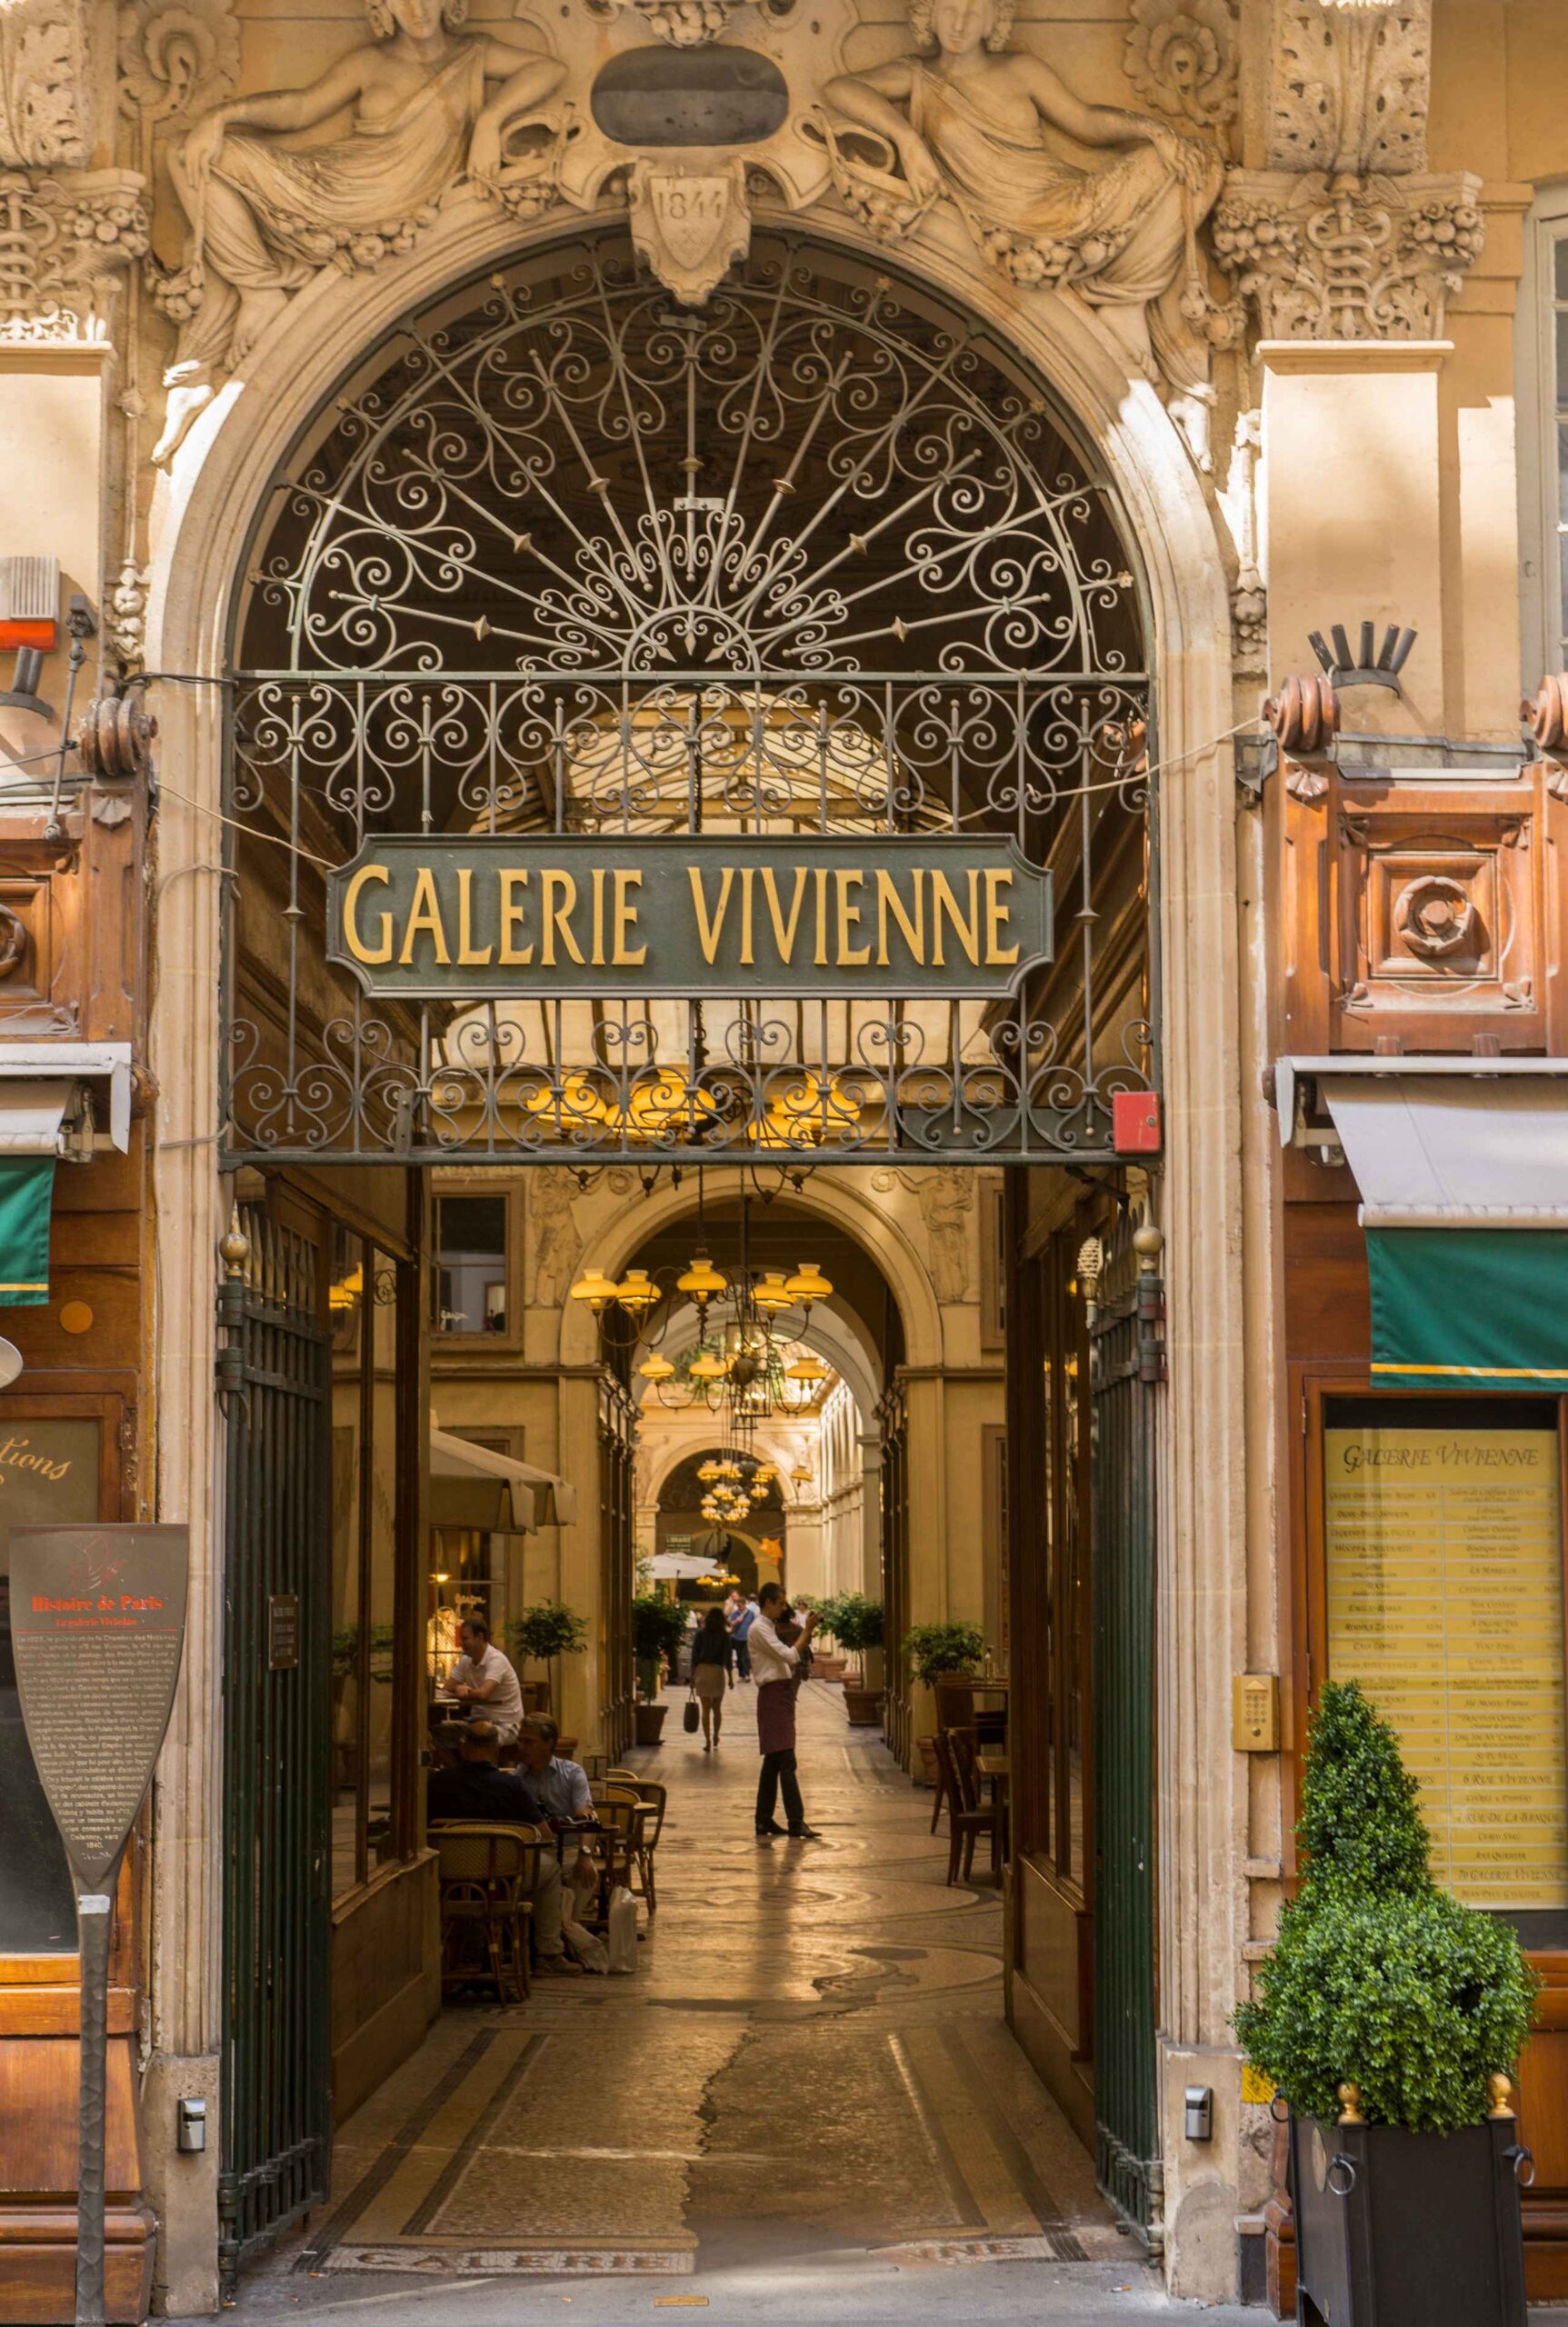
x=482, y=1679
x=561, y=1787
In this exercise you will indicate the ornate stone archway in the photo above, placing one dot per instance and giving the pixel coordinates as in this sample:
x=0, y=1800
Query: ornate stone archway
x=202, y=521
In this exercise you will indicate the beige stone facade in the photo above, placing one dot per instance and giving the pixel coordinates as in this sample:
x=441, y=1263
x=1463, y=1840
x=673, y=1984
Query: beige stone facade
x=1311, y=345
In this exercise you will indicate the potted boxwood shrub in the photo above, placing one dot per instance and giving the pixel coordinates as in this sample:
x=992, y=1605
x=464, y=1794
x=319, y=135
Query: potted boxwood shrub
x=857, y=1624
x=658, y=1626
x=1390, y=2017
x=547, y=1630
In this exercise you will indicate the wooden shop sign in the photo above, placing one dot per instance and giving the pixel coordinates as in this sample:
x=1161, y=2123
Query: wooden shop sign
x=628, y=919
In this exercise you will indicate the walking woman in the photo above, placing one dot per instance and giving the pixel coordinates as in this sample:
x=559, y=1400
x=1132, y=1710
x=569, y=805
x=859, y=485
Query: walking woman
x=713, y=1671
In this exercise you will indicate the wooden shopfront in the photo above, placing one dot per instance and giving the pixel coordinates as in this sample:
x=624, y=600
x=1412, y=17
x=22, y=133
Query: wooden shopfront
x=1421, y=1092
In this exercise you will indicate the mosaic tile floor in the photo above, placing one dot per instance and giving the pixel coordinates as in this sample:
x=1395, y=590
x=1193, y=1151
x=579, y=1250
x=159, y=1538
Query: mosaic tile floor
x=810, y=2061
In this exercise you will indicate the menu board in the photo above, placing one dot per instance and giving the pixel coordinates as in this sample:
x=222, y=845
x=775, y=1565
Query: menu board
x=1445, y=1558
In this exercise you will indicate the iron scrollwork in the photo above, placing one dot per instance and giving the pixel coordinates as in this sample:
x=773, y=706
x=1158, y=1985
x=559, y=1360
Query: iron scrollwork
x=815, y=561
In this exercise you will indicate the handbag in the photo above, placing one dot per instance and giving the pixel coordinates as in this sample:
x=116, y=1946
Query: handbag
x=690, y=1718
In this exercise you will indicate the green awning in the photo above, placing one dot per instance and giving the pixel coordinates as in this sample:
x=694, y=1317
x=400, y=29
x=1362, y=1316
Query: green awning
x=27, y=1192
x=1469, y=1308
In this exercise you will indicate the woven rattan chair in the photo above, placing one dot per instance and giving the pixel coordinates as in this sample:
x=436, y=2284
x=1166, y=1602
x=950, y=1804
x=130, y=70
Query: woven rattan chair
x=487, y=1874
x=654, y=1798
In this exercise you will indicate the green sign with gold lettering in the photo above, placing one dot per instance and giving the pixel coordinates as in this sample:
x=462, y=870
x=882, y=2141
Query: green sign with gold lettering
x=622, y=918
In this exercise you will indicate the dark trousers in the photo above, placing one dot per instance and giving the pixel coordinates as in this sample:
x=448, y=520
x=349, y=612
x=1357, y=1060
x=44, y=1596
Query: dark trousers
x=777, y=1774
x=743, y=1659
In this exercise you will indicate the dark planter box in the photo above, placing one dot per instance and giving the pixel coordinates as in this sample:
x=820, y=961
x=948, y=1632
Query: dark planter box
x=1407, y=2230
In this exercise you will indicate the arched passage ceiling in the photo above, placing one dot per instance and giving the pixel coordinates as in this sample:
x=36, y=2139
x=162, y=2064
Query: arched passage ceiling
x=683, y=1491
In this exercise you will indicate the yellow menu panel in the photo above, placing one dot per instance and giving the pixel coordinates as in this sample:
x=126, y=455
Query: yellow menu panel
x=1444, y=1554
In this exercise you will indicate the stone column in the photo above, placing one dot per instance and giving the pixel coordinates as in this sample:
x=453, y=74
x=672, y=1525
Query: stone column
x=870, y=1452
x=578, y=1571
x=186, y=1942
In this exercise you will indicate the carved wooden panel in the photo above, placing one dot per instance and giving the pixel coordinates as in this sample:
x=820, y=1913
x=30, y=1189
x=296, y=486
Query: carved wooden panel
x=1425, y=912
x=73, y=920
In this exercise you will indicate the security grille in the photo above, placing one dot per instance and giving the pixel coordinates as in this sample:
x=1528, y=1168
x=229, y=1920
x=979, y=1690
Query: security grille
x=272, y=1376
x=816, y=561
x=1127, y=1342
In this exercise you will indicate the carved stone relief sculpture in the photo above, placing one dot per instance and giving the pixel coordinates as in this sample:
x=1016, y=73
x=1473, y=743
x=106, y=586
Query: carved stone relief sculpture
x=1345, y=235
x=64, y=242
x=1350, y=87
x=427, y=104
x=687, y=24
x=946, y=1200
x=43, y=74
x=177, y=58
x=66, y=234
x=1376, y=258
x=975, y=124
x=557, y=1239
x=1181, y=57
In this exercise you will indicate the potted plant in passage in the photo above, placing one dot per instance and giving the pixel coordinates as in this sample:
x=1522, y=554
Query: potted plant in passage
x=1390, y=2017
x=935, y=1651
x=547, y=1630
x=857, y=1624
x=658, y=1626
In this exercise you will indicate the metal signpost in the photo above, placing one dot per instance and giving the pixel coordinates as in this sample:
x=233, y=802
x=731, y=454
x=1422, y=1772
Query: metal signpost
x=98, y=1625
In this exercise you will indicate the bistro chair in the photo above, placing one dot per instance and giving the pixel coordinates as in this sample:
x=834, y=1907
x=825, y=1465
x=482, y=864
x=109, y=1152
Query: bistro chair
x=620, y=1814
x=968, y=1817
x=487, y=1875
x=653, y=1798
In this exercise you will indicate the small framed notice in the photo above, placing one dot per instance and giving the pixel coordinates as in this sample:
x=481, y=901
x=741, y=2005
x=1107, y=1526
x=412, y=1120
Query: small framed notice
x=1444, y=1555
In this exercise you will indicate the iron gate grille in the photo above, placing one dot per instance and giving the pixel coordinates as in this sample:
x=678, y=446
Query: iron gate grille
x=272, y=1380
x=818, y=560
x=1127, y=1343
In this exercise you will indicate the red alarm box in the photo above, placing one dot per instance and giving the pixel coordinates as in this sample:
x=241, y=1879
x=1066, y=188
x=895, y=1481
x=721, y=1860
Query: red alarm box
x=1135, y=1122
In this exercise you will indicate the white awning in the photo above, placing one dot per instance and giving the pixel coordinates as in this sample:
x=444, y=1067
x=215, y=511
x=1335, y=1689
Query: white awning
x=678, y=1567
x=470, y=1486
x=1488, y=1148
x=53, y=1095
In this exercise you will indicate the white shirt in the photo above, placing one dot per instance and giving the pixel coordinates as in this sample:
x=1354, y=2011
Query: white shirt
x=503, y=1706
x=771, y=1660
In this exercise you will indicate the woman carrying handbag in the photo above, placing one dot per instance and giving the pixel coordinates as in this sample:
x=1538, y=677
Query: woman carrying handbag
x=713, y=1671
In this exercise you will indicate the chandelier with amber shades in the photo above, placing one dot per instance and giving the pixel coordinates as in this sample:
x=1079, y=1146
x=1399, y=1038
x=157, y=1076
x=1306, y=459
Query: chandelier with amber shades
x=748, y=1359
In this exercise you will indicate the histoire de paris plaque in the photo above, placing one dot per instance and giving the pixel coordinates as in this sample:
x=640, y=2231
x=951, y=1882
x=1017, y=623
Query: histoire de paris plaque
x=98, y=1628
x=98, y=1625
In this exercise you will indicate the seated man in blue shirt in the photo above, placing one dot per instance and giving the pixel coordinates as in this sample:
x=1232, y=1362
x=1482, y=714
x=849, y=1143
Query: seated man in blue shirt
x=480, y=1792
x=561, y=1785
